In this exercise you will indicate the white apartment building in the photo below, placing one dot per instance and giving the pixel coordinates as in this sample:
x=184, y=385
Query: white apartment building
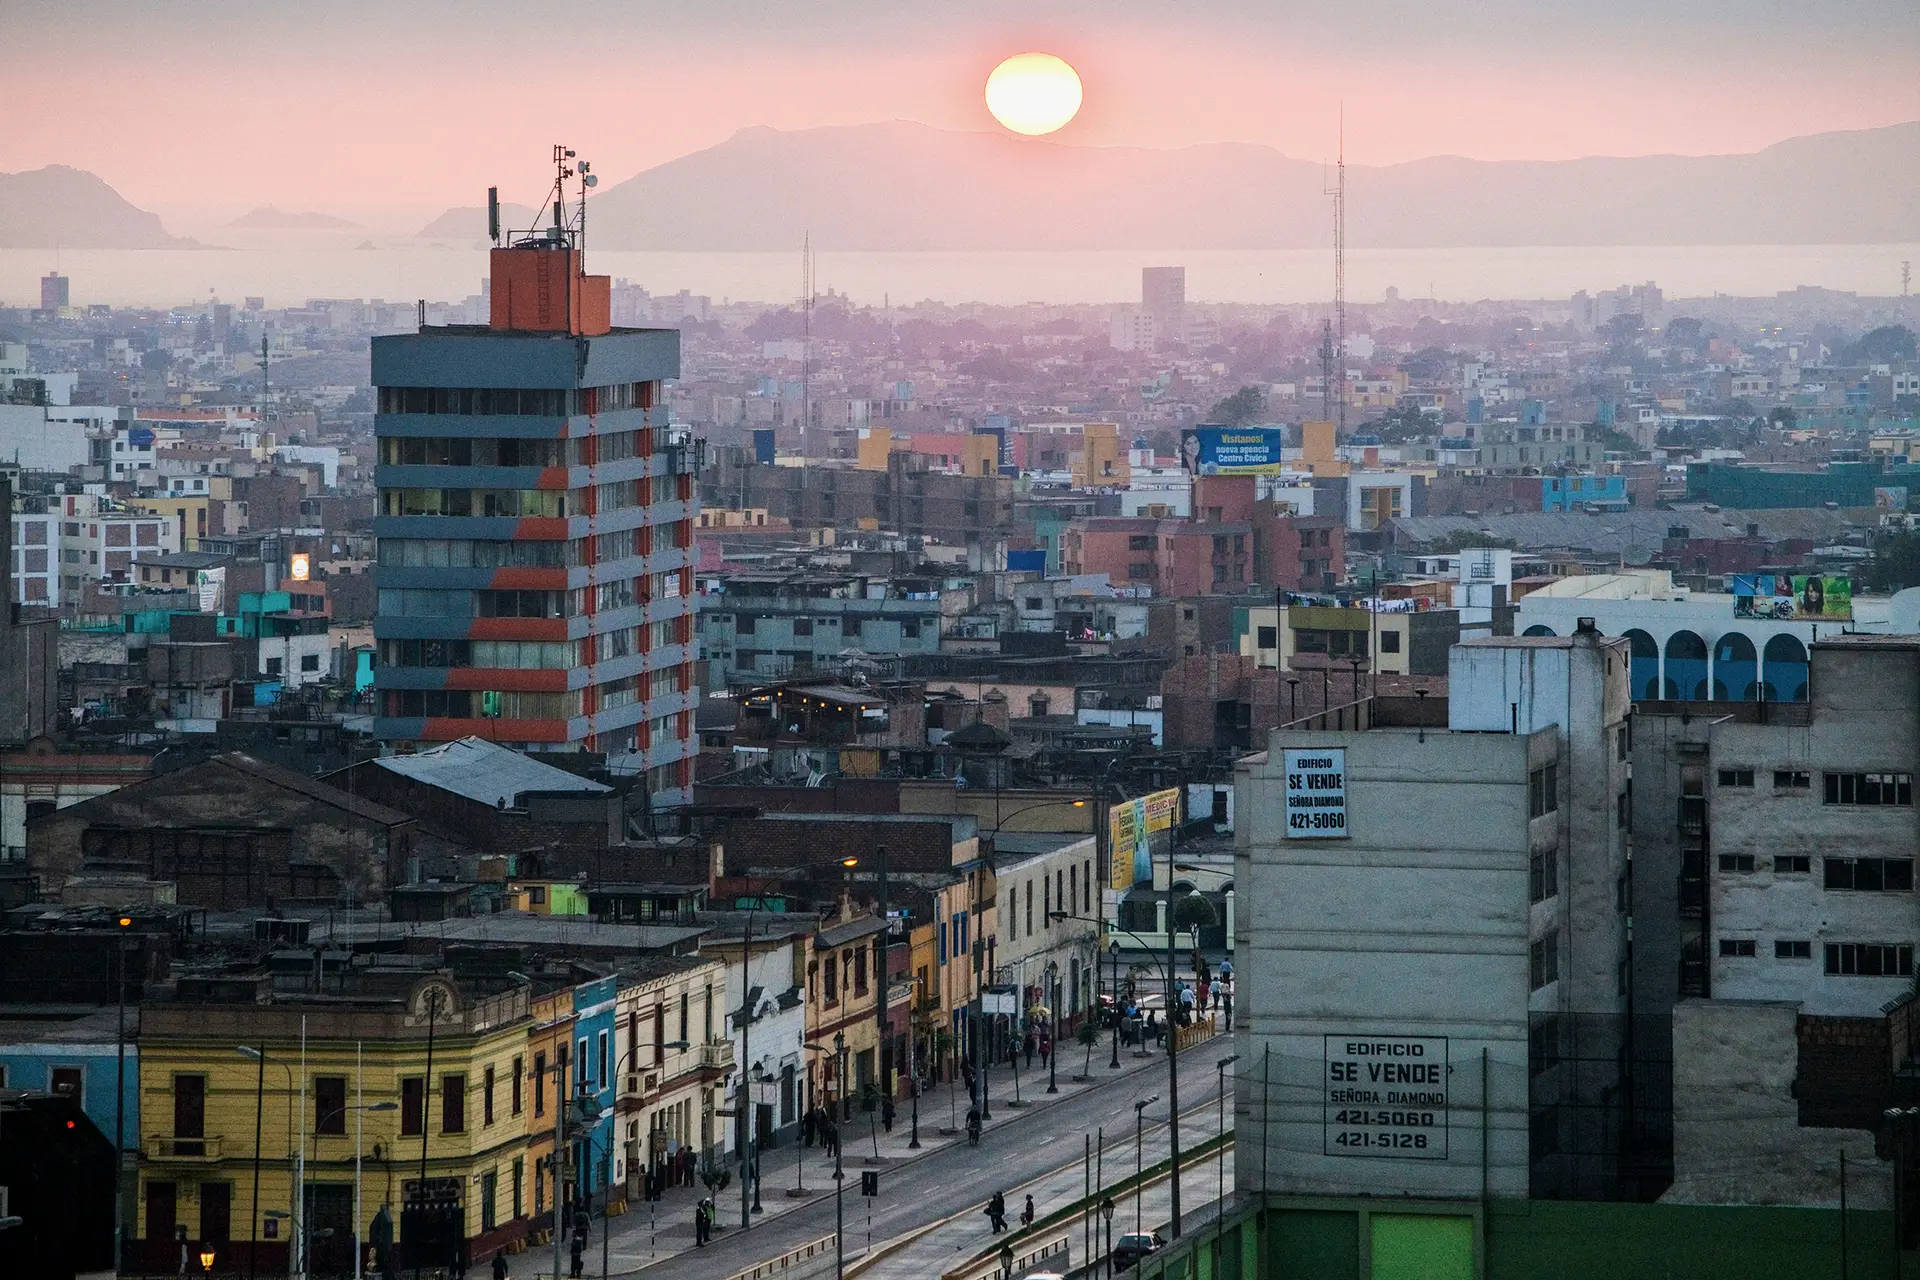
x=1810, y=926
x=1038, y=874
x=670, y=1029
x=36, y=560
x=1431, y=939
x=1131, y=328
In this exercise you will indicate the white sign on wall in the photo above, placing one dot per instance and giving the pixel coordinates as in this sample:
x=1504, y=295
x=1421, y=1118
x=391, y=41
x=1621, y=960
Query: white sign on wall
x=1386, y=1097
x=1316, y=793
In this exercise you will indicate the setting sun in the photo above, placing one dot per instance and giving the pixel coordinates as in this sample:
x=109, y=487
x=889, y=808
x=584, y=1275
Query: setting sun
x=1033, y=93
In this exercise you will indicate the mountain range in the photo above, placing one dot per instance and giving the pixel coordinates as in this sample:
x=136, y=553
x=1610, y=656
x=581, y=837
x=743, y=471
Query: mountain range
x=905, y=186
x=62, y=208
x=269, y=218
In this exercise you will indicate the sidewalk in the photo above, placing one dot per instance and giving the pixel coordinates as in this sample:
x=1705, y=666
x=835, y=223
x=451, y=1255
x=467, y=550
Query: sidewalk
x=950, y=1243
x=650, y=1233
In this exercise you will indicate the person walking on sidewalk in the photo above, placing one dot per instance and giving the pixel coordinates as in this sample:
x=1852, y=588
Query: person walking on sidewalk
x=500, y=1265
x=807, y=1126
x=1026, y=1214
x=886, y=1114
x=996, y=1212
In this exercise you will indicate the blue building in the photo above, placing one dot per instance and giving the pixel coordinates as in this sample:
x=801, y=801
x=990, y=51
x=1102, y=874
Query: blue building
x=595, y=1074
x=1577, y=492
x=76, y=1056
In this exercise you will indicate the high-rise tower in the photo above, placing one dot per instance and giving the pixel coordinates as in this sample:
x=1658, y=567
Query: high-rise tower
x=536, y=524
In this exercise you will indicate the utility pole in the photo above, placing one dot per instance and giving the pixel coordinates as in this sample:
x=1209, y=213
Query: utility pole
x=426, y=1094
x=1338, y=340
x=1173, y=1052
x=885, y=1063
x=559, y=1153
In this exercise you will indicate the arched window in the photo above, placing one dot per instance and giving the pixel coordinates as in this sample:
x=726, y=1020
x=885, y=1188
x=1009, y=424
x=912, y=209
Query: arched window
x=1736, y=670
x=1644, y=665
x=1785, y=670
x=1686, y=667
x=1537, y=630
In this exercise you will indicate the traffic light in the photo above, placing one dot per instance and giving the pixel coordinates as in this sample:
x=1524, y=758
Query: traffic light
x=870, y=1183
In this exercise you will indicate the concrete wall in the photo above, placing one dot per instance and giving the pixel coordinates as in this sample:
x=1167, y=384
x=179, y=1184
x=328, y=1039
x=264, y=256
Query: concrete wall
x=1736, y=1132
x=1865, y=718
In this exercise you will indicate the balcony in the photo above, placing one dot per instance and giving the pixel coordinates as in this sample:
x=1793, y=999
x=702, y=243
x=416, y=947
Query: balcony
x=717, y=1055
x=183, y=1150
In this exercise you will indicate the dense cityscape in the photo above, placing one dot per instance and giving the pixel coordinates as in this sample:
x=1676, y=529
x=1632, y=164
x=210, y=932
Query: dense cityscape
x=583, y=780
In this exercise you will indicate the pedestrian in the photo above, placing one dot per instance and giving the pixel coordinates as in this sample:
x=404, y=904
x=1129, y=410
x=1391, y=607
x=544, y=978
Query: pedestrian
x=579, y=1260
x=1031, y=1046
x=807, y=1127
x=1026, y=1214
x=833, y=1140
x=500, y=1265
x=702, y=1228
x=886, y=1114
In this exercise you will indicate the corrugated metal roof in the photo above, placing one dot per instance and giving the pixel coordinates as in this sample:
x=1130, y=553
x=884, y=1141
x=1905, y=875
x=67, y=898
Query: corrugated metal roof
x=1640, y=529
x=485, y=771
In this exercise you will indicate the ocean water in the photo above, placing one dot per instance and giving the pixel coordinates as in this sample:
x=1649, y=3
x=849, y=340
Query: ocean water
x=298, y=269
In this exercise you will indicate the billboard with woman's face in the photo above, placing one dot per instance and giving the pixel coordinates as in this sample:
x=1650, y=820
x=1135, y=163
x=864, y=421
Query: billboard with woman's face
x=1797, y=598
x=1232, y=451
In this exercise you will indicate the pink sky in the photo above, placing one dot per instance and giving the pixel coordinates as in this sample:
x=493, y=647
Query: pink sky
x=418, y=106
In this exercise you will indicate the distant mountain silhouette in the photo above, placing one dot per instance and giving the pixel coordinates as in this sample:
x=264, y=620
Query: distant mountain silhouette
x=268, y=218
x=469, y=222
x=73, y=209
x=906, y=186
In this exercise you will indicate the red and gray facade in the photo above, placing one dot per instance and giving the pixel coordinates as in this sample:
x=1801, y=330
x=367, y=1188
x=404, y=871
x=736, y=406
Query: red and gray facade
x=536, y=546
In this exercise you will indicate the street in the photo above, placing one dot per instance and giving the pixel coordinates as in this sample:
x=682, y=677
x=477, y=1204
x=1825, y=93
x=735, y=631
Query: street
x=1018, y=1146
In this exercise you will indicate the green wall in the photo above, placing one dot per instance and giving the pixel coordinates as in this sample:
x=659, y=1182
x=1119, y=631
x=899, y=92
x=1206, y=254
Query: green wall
x=1333, y=1239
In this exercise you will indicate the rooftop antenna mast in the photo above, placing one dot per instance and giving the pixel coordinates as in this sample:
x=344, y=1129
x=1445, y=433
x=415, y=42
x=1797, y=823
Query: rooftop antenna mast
x=806, y=338
x=1339, y=193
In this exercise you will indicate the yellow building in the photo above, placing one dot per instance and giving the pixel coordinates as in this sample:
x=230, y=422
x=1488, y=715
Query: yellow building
x=195, y=516
x=1101, y=460
x=417, y=1074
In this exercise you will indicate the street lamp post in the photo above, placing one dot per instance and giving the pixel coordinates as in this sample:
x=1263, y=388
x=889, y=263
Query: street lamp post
x=1053, y=1031
x=253, y=1206
x=1221, y=1155
x=1173, y=1053
x=359, y=1131
x=293, y=1220
x=1293, y=698
x=884, y=952
x=1113, y=950
x=1106, y=1218
x=1139, y=1145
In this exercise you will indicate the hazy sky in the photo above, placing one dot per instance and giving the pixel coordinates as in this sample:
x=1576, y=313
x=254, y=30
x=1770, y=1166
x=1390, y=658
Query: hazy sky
x=417, y=104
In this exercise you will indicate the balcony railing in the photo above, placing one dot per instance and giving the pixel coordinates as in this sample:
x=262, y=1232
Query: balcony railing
x=192, y=1150
x=717, y=1055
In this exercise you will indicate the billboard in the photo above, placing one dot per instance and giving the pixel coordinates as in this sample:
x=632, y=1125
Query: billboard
x=1130, y=828
x=1231, y=451
x=1316, y=793
x=1809, y=598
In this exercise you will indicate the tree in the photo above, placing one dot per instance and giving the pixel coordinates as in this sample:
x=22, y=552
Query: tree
x=1683, y=332
x=1888, y=343
x=1467, y=538
x=1782, y=417
x=1895, y=563
x=1248, y=404
x=1088, y=1035
x=1193, y=912
x=1625, y=327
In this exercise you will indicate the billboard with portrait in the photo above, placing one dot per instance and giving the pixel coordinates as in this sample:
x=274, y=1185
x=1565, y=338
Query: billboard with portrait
x=1232, y=451
x=1131, y=826
x=1792, y=598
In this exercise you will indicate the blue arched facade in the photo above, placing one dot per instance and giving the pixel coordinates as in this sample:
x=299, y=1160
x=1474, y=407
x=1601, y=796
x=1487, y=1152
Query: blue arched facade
x=1537, y=630
x=1736, y=669
x=1643, y=669
x=1686, y=676
x=1785, y=670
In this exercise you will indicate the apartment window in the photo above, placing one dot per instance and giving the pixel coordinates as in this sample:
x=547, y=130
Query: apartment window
x=830, y=979
x=1543, y=791
x=683, y=1017
x=1623, y=810
x=1736, y=862
x=1046, y=909
x=1389, y=642
x=603, y=1069
x=1869, y=788
x=519, y=1177
x=486, y=1098
x=1793, y=864
x=453, y=1104
x=1139, y=542
x=1736, y=777
x=1894, y=875
x=860, y=972
x=743, y=624
x=1622, y=741
x=1736, y=948
x=519, y=1067
x=329, y=1104
x=1792, y=949
x=1543, y=875
x=1792, y=780
x=1086, y=885
x=413, y=1097
x=1869, y=960
x=1544, y=960
x=539, y=1084
x=1266, y=637
x=309, y=662
x=489, y=1190
x=803, y=626
x=581, y=1066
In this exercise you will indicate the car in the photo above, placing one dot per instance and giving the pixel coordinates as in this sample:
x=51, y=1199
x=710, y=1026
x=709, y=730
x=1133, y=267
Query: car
x=1043, y=1275
x=1130, y=1248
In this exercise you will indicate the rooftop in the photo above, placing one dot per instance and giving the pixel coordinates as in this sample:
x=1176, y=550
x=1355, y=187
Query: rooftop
x=485, y=772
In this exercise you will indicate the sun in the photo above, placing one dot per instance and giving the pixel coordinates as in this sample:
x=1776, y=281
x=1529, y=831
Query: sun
x=1033, y=93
